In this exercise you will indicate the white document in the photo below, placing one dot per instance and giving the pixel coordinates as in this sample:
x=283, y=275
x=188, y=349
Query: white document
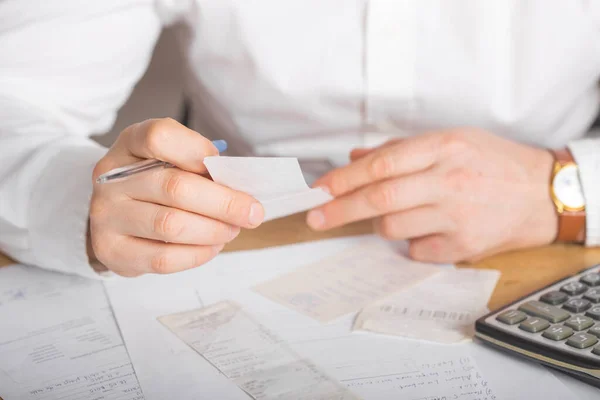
x=59, y=339
x=442, y=308
x=347, y=281
x=255, y=359
x=167, y=368
x=277, y=182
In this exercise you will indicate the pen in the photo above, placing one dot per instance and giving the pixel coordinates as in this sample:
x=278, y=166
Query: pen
x=124, y=172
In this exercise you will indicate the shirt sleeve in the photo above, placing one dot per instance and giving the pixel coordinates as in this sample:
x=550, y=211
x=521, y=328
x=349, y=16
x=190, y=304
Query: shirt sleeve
x=586, y=153
x=65, y=70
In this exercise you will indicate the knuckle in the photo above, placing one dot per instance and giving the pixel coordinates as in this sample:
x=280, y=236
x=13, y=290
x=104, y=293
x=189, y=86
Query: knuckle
x=382, y=166
x=337, y=184
x=156, y=135
x=103, y=250
x=382, y=198
x=174, y=186
x=232, y=207
x=460, y=179
x=166, y=225
x=456, y=143
x=159, y=263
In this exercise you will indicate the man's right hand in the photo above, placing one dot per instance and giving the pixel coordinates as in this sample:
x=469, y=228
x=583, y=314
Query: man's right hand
x=167, y=219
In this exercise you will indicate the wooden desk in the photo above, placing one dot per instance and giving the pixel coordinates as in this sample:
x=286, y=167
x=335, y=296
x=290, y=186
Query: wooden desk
x=522, y=271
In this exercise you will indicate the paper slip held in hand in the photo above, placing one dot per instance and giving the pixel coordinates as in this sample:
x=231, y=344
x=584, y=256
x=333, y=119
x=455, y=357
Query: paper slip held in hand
x=251, y=356
x=346, y=282
x=277, y=182
x=441, y=309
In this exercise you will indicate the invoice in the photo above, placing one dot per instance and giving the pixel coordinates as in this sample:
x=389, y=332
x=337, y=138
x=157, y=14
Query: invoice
x=59, y=339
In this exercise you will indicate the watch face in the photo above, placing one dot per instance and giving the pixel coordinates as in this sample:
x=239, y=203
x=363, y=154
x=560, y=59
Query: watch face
x=567, y=187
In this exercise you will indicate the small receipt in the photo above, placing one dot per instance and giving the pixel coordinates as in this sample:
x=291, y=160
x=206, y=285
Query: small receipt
x=246, y=352
x=346, y=282
x=440, y=309
x=277, y=182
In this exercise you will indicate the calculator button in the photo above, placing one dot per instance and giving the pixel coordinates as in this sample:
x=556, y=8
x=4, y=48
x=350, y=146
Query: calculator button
x=534, y=325
x=594, y=312
x=558, y=332
x=546, y=311
x=577, y=305
x=579, y=322
x=593, y=295
x=596, y=350
x=554, y=298
x=512, y=317
x=582, y=340
x=592, y=279
x=595, y=331
x=574, y=288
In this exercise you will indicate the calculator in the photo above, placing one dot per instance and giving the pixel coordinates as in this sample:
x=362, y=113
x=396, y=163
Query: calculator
x=558, y=326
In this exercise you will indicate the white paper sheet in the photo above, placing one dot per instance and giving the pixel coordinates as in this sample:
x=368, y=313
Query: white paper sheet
x=277, y=182
x=59, y=340
x=348, y=357
x=443, y=308
x=255, y=359
x=347, y=281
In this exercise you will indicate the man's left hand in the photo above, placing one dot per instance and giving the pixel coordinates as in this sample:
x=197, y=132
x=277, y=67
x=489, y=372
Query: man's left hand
x=457, y=195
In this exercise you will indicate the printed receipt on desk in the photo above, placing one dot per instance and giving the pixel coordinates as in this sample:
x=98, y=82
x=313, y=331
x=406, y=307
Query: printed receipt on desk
x=346, y=282
x=255, y=359
x=59, y=339
x=277, y=182
x=443, y=308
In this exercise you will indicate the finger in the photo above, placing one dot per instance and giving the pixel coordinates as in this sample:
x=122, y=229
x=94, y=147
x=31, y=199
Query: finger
x=359, y=153
x=363, y=151
x=167, y=140
x=377, y=199
x=437, y=248
x=413, y=223
x=403, y=157
x=190, y=192
x=135, y=256
x=157, y=222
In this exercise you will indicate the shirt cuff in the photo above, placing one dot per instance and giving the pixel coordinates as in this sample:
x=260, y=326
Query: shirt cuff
x=586, y=153
x=60, y=208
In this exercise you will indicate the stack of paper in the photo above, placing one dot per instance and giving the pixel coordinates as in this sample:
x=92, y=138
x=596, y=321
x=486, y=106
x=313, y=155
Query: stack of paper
x=370, y=366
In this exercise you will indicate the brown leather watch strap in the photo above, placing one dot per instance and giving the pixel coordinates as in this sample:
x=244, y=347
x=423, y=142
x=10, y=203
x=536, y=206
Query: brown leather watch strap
x=571, y=224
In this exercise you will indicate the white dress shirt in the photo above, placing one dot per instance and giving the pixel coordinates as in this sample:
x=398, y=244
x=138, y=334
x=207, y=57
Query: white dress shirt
x=304, y=78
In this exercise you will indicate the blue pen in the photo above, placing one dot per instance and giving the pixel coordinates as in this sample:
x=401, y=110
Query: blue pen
x=124, y=172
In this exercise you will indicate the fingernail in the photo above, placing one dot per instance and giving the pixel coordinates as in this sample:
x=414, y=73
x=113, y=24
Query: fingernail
x=233, y=232
x=315, y=219
x=255, y=218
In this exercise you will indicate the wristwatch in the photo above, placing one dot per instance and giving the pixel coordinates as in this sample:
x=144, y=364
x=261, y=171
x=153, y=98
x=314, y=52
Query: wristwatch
x=567, y=194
